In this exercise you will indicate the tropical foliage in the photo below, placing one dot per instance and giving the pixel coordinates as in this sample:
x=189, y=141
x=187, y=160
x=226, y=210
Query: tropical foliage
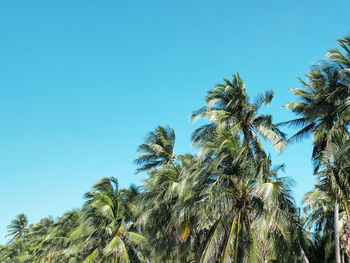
x=225, y=203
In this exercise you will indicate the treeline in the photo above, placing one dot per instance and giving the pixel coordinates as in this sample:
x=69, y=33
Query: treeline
x=227, y=203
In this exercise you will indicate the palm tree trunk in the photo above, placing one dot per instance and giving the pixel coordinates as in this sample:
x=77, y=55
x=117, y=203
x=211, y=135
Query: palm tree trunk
x=336, y=232
x=347, y=231
x=304, y=256
x=336, y=214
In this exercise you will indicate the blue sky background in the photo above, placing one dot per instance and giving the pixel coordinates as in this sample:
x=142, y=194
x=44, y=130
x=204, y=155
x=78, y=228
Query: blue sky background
x=82, y=82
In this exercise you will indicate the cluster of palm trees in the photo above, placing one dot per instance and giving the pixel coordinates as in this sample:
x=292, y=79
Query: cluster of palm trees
x=227, y=203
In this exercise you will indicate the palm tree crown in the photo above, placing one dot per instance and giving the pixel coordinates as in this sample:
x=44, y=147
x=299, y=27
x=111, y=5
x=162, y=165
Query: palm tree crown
x=157, y=150
x=18, y=227
x=228, y=104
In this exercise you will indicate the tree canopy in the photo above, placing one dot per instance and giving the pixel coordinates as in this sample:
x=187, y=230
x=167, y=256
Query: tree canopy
x=227, y=202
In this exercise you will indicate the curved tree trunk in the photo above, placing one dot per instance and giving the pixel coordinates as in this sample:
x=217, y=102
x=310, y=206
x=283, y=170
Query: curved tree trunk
x=336, y=232
x=304, y=256
x=336, y=214
x=346, y=238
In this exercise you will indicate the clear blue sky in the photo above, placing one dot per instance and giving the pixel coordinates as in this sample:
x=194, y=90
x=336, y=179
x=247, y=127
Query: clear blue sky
x=82, y=82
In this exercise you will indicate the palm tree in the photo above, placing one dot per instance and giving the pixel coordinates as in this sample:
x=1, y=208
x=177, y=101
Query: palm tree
x=228, y=104
x=322, y=113
x=339, y=183
x=341, y=60
x=158, y=149
x=54, y=241
x=18, y=227
x=157, y=202
x=40, y=229
x=319, y=217
x=103, y=233
x=16, y=252
x=332, y=184
x=246, y=216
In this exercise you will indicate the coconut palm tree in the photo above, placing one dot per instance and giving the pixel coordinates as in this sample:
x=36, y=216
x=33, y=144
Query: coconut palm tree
x=16, y=252
x=246, y=216
x=40, y=229
x=104, y=234
x=54, y=241
x=340, y=58
x=338, y=183
x=158, y=149
x=229, y=105
x=332, y=184
x=319, y=217
x=157, y=202
x=240, y=212
x=18, y=227
x=322, y=112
